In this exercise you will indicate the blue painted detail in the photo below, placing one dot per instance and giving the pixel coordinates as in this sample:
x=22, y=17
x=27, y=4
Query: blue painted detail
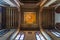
x=2, y=32
x=3, y=3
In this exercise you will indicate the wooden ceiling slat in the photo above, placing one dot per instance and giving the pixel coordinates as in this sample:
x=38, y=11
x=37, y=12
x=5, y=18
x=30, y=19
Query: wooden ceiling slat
x=29, y=1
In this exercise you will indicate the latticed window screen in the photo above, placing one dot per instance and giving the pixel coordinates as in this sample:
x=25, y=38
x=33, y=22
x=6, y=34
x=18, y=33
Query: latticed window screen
x=11, y=17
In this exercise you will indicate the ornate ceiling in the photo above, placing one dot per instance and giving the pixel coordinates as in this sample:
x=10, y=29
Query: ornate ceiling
x=28, y=3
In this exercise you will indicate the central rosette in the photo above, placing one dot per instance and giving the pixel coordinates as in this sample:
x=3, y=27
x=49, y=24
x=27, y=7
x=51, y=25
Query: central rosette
x=29, y=17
